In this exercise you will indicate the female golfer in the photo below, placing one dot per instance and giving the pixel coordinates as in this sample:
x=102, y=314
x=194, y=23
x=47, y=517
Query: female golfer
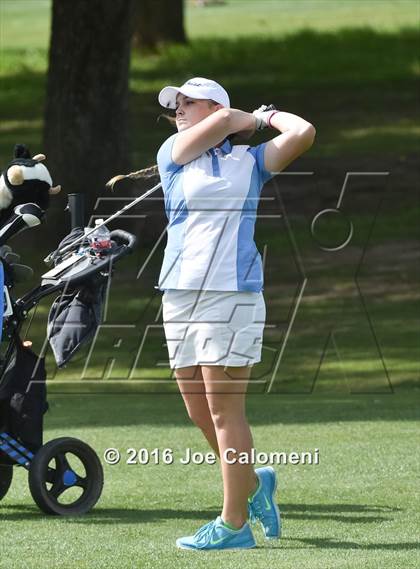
x=212, y=278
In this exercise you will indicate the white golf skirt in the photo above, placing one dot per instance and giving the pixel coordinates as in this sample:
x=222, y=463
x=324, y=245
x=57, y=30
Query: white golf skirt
x=213, y=327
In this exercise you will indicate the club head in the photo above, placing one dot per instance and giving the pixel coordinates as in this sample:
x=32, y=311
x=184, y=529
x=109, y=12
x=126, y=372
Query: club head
x=31, y=214
x=11, y=258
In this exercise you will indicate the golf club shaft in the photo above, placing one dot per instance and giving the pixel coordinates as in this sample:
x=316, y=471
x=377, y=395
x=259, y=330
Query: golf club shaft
x=110, y=218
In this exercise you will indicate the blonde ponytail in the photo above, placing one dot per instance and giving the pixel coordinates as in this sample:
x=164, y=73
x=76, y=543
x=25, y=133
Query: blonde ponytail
x=140, y=174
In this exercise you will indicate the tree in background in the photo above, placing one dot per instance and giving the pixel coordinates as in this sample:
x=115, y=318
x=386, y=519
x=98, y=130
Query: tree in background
x=86, y=118
x=159, y=22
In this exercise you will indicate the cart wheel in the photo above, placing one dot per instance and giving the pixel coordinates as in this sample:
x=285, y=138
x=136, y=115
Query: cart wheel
x=66, y=477
x=6, y=476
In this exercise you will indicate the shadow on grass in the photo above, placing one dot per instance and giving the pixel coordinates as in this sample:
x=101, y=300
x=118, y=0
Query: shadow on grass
x=70, y=412
x=108, y=515
x=326, y=543
x=356, y=85
x=355, y=76
x=335, y=512
x=359, y=56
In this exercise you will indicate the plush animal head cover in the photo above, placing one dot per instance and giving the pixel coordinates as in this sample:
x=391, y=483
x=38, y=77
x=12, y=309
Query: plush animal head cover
x=26, y=180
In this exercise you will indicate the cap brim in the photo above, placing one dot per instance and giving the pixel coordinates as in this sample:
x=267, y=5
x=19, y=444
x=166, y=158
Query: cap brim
x=167, y=97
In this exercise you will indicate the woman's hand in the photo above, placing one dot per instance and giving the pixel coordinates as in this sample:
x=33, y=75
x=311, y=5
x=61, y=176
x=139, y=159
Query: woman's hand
x=263, y=115
x=262, y=120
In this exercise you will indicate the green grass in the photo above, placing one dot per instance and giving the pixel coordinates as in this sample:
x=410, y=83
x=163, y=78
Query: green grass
x=349, y=67
x=375, y=346
x=236, y=18
x=375, y=318
x=358, y=88
x=352, y=69
x=355, y=510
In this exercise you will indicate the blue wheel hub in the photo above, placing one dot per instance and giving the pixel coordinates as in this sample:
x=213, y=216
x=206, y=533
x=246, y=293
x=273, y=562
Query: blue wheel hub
x=69, y=478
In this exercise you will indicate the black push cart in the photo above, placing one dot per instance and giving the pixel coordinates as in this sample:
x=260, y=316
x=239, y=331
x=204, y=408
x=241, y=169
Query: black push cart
x=65, y=474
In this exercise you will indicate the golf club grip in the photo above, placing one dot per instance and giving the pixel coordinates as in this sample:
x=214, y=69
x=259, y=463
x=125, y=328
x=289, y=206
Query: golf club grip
x=76, y=205
x=129, y=238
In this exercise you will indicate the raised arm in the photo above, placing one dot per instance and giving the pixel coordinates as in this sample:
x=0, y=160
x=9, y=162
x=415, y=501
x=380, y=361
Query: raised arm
x=209, y=132
x=297, y=136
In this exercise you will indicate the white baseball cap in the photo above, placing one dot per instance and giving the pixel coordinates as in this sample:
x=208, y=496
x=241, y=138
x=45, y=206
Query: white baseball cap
x=196, y=88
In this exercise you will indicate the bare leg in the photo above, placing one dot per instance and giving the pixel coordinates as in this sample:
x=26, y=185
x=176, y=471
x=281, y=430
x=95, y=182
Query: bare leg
x=193, y=391
x=226, y=390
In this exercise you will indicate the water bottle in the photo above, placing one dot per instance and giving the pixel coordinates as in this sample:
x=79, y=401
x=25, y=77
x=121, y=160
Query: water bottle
x=100, y=239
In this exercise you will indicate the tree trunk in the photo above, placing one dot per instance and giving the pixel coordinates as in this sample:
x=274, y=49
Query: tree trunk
x=85, y=133
x=159, y=22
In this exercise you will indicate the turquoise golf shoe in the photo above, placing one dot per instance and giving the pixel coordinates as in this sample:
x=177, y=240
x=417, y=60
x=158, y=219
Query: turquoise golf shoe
x=215, y=536
x=262, y=506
